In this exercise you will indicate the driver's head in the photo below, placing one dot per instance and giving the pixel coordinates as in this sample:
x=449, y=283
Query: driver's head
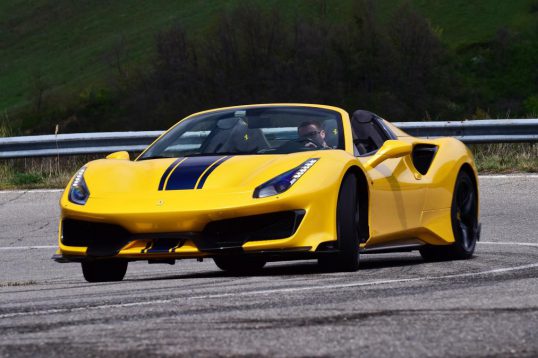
x=313, y=131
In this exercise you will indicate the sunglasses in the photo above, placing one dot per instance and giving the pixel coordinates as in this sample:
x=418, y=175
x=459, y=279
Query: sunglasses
x=311, y=134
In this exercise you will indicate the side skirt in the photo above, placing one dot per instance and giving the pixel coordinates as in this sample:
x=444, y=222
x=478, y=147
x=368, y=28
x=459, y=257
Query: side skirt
x=391, y=248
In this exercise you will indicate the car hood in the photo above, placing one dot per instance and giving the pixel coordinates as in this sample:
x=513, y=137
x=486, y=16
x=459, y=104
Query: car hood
x=239, y=173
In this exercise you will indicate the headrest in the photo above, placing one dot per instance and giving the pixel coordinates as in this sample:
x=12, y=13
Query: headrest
x=329, y=125
x=331, y=132
x=363, y=116
x=331, y=128
x=228, y=123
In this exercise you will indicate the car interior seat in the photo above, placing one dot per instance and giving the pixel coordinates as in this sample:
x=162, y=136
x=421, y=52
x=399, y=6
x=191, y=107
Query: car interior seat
x=368, y=137
x=232, y=135
x=331, y=132
x=252, y=141
x=220, y=138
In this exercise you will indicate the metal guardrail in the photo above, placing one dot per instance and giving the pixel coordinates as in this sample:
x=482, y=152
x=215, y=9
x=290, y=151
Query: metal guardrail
x=74, y=144
x=476, y=131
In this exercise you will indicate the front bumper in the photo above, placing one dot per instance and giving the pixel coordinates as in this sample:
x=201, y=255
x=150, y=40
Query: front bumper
x=196, y=224
x=278, y=235
x=221, y=236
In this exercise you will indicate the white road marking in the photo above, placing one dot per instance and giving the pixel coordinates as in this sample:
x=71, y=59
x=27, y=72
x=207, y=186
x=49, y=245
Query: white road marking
x=508, y=176
x=509, y=243
x=370, y=283
x=4, y=248
x=272, y=291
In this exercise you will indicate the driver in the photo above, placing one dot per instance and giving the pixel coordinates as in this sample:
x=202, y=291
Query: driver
x=313, y=134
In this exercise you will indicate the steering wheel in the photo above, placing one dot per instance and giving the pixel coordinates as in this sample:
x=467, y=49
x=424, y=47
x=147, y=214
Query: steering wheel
x=306, y=141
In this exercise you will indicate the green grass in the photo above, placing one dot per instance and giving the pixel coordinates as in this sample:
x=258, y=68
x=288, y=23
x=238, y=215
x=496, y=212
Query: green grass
x=506, y=158
x=64, y=43
x=464, y=22
x=5, y=129
x=35, y=173
x=26, y=179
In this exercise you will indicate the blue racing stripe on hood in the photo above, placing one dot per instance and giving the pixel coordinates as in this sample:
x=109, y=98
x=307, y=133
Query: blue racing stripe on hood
x=166, y=172
x=209, y=171
x=186, y=174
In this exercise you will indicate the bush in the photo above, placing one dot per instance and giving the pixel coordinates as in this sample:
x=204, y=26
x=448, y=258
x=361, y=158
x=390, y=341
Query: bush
x=531, y=104
x=252, y=55
x=534, y=7
x=21, y=179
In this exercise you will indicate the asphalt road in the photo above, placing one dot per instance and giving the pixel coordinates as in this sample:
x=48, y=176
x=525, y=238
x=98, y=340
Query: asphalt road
x=395, y=305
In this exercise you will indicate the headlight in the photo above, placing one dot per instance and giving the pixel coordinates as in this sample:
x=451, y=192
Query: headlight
x=284, y=181
x=79, y=193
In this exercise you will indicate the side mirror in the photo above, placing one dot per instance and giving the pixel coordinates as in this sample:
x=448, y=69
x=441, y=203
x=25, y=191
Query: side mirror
x=390, y=149
x=123, y=155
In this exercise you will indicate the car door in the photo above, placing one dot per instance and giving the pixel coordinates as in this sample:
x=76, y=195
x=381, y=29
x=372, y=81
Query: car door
x=397, y=193
x=396, y=201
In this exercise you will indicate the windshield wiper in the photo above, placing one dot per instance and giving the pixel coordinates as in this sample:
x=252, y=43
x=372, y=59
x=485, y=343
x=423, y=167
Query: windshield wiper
x=155, y=157
x=216, y=154
x=196, y=155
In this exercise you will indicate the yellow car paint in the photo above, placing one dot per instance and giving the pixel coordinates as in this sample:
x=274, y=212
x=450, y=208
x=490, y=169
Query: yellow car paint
x=404, y=206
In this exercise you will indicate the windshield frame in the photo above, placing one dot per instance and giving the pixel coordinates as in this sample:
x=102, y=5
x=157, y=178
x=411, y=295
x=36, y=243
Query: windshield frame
x=336, y=112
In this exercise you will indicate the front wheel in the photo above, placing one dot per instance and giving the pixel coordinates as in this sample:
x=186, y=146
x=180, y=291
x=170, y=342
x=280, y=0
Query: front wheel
x=104, y=270
x=239, y=264
x=464, y=218
x=347, y=224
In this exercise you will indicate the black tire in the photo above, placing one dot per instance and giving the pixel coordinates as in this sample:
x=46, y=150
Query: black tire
x=239, y=264
x=104, y=270
x=347, y=230
x=464, y=218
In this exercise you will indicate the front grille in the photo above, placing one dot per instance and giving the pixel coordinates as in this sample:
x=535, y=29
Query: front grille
x=233, y=233
x=100, y=239
x=108, y=239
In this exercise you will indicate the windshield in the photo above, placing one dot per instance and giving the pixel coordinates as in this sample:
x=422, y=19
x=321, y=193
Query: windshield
x=257, y=130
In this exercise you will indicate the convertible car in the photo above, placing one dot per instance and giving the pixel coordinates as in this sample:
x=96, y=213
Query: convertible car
x=251, y=184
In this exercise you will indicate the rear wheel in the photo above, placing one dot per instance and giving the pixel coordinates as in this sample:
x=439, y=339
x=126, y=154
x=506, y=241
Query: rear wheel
x=464, y=219
x=104, y=270
x=347, y=224
x=239, y=264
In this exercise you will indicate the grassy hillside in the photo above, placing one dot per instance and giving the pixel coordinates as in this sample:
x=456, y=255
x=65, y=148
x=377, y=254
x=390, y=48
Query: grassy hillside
x=464, y=22
x=63, y=47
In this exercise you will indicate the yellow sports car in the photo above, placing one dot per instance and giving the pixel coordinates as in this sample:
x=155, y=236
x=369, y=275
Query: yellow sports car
x=251, y=184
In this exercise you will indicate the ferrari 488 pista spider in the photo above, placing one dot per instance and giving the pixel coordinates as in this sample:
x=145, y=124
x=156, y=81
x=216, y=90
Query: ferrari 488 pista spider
x=251, y=184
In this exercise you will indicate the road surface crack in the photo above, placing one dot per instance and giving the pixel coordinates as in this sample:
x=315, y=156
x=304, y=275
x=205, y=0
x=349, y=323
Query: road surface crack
x=13, y=199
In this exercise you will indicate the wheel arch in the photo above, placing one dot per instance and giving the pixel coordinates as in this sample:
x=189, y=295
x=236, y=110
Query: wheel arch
x=364, y=200
x=467, y=168
x=452, y=157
